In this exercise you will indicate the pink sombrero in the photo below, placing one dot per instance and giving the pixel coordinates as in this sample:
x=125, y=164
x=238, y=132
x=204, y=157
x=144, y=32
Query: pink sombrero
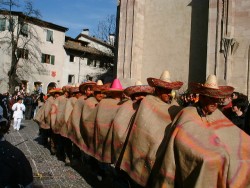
x=138, y=88
x=211, y=89
x=164, y=82
x=115, y=87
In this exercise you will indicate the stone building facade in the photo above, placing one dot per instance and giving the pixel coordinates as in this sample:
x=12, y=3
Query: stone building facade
x=191, y=39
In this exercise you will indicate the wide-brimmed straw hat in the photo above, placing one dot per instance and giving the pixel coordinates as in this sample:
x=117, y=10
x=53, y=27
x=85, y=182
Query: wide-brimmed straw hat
x=74, y=90
x=138, y=88
x=84, y=85
x=100, y=86
x=115, y=87
x=55, y=90
x=164, y=82
x=211, y=89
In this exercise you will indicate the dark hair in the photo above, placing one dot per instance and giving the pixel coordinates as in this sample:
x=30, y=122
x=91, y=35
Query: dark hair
x=4, y=126
x=19, y=98
x=240, y=103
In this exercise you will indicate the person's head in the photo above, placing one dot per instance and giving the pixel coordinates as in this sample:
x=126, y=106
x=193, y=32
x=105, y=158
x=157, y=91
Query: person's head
x=164, y=86
x=98, y=95
x=239, y=104
x=19, y=100
x=66, y=94
x=56, y=94
x=235, y=95
x=117, y=95
x=164, y=94
x=225, y=101
x=86, y=88
x=78, y=94
x=88, y=91
x=138, y=96
x=210, y=94
x=208, y=104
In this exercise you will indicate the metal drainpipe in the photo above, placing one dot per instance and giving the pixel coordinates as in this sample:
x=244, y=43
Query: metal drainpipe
x=248, y=67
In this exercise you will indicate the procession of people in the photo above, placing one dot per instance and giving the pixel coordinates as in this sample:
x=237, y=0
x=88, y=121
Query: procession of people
x=150, y=133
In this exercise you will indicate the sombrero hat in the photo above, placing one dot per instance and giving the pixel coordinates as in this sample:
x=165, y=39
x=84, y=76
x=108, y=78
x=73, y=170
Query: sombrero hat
x=138, y=88
x=66, y=88
x=55, y=90
x=115, y=87
x=100, y=86
x=74, y=90
x=84, y=85
x=211, y=89
x=164, y=82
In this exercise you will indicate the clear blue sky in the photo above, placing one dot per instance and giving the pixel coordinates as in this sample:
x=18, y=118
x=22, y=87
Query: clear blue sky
x=75, y=14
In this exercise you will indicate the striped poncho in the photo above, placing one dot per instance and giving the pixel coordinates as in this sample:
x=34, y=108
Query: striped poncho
x=203, y=152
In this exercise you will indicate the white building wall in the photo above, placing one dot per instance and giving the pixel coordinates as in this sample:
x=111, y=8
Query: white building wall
x=34, y=70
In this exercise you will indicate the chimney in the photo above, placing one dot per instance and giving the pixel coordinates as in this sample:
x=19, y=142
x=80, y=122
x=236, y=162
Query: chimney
x=111, y=39
x=85, y=31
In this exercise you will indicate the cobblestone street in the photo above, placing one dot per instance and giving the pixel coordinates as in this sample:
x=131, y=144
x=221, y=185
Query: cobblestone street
x=48, y=171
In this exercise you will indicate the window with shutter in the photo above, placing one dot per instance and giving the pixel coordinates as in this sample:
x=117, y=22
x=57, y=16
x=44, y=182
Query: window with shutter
x=2, y=24
x=49, y=59
x=49, y=36
x=52, y=60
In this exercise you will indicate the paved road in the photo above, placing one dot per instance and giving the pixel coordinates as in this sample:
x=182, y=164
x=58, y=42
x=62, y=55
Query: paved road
x=48, y=171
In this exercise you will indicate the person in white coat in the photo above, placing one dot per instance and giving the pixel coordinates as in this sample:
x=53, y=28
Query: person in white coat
x=18, y=109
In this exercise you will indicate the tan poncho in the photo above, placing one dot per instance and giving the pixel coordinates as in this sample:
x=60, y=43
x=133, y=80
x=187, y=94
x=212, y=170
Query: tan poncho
x=47, y=113
x=74, y=133
x=203, y=152
x=39, y=117
x=122, y=125
x=67, y=116
x=58, y=114
x=152, y=118
x=87, y=126
x=107, y=109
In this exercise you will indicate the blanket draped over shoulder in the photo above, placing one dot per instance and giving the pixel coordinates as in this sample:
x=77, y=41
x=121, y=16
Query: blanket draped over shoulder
x=106, y=112
x=87, y=126
x=74, y=126
x=203, y=152
x=122, y=125
x=67, y=116
x=57, y=117
x=47, y=113
x=151, y=120
x=39, y=117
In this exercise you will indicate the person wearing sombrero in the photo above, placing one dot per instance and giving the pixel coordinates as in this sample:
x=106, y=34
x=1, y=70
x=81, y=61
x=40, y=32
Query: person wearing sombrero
x=124, y=119
x=86, y=88
x=89, y=116
x=204, y=148
x=74, y=119
x=106, y=111
x=54, y=114
x=87, y=130
x=153, y=118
